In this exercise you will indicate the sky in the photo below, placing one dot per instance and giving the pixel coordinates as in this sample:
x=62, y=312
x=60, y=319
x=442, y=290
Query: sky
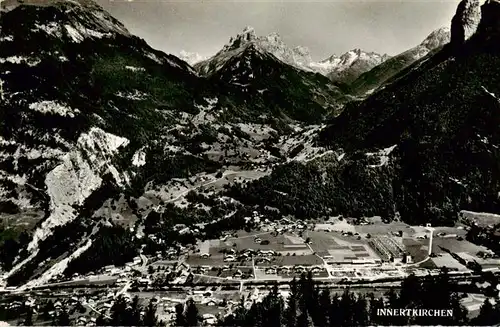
x=324, y=27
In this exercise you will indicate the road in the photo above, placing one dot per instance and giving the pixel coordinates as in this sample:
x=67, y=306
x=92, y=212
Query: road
x=144, y=260
x=124, y=289
x=98, y=312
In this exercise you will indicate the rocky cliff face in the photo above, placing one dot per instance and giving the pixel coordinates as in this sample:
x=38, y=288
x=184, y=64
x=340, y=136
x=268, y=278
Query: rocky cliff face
x=465, y=22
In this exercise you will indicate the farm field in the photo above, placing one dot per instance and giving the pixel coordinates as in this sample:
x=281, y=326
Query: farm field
x=454, y=245
x=446, y=260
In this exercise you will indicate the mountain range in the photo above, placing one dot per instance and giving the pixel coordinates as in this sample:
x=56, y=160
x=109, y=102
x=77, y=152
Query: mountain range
x=345, y=69
x=101, y=131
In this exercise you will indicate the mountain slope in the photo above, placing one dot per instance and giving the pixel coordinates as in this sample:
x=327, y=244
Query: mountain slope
x=381, y=74
x=441, y=121
x=98, y=128
x=262, y=73
x=81, y=98
x=343, y=69
x=298, y=57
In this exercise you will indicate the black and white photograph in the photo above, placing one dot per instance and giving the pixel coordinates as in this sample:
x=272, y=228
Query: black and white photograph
x=250, y=163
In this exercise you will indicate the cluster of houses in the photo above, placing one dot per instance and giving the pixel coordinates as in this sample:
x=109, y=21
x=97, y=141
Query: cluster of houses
x=294, y=270
x=237, y=273
x=233, y=255
x=283, y=225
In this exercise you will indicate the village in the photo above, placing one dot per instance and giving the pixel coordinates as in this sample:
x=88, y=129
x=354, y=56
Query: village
x=366, y=255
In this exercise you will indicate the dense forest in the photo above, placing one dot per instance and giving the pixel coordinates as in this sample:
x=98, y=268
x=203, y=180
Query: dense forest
x=111, y=245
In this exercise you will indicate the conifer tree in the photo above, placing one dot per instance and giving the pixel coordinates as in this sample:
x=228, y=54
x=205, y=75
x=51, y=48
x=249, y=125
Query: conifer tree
x=191, y=313
x=290, y=315
x=180, y=319
x=28, y=321
x=150, y=318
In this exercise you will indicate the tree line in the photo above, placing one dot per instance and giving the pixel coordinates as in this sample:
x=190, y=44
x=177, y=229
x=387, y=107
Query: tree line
x=308, y=305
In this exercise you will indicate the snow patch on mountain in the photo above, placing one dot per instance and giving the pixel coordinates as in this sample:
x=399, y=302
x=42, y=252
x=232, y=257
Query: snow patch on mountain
x=53, y=107
x=154, y=57
x=191, y=57
x=51, y=28
x=75, y=179
x=107, y=23
x=136, y=95
x=272, y=43
x=435, y=40
x=466, y=21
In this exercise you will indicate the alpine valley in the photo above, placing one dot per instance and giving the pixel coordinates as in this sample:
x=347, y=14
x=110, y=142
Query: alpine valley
x=108, y=146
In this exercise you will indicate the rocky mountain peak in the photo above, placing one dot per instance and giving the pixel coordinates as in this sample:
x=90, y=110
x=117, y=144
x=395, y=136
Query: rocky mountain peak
x=437, y=38
x=249, y=41
x=7, y=5
x=248, y=35
x=77, y=19
x=466, y=21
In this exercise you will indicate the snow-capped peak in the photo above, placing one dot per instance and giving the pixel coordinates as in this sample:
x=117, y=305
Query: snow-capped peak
x=191, y=57
x=356, y=60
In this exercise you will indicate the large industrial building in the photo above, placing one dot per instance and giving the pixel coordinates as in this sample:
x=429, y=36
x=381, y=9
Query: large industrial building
x=390, y=249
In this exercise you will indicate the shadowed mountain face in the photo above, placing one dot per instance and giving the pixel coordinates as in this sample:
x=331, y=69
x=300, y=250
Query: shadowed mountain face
x=80, y=96
x=276, y=89
x=382, y=74
x=441, y=117
x=264, y=73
